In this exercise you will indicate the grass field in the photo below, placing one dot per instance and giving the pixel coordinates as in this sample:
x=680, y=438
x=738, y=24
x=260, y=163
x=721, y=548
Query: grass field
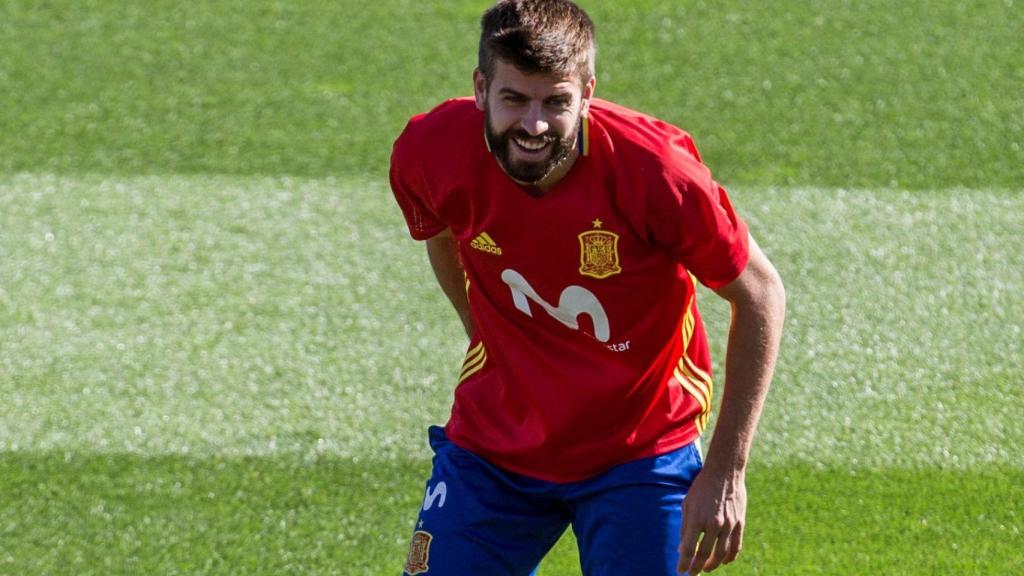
x=219, y=350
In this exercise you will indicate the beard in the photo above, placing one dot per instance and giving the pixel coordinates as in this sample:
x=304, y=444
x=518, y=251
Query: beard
x=528, y=171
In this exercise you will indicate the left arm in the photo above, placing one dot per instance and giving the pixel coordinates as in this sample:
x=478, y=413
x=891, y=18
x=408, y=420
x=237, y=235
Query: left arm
x=716, y=504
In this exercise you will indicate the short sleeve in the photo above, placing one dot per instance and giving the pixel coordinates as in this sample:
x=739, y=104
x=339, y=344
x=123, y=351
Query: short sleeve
x=691, y=215
x=411, y=192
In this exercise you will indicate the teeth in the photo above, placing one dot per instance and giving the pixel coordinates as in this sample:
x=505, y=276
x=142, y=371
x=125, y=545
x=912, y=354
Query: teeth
x=531, y=145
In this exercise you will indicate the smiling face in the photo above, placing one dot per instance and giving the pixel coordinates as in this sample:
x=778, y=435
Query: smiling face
x=532, y=121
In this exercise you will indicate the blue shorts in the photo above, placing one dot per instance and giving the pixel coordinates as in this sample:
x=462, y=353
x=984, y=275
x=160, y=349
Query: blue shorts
x=479, y=519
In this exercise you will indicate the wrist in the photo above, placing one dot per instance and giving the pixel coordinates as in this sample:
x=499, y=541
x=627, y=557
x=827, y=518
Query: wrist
x=726, y=462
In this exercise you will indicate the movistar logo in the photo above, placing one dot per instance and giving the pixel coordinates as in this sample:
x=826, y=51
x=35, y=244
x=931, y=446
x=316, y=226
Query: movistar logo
x=572, y=302
x=486, y=243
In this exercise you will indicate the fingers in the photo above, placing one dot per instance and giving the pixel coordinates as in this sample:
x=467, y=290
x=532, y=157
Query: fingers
x=721, y=544
x=693, y=555
x=707, y=545
x=688, y=543
x=727, y=546
x=712, y=531
x=733, y=544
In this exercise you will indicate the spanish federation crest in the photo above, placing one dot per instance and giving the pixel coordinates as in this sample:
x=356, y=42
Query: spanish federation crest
x=419, y=553
x=599, y=252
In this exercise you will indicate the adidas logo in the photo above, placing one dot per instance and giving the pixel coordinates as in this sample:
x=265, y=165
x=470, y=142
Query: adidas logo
x=486, y=243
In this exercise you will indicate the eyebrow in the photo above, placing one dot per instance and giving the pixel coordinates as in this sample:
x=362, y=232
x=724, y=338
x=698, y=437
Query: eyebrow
x=556, y=95
x=507, y=90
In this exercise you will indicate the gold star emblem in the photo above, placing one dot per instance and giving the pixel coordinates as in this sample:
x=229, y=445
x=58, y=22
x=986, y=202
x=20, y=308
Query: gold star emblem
x=597, y=223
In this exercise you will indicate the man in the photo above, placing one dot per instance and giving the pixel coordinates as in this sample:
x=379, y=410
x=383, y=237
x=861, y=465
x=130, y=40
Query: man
x=567, y=232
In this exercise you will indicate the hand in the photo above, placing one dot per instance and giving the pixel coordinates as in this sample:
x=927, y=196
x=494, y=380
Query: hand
x=715, y=507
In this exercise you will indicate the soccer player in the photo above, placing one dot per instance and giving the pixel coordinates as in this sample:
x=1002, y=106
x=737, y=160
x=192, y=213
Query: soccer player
x=568, y=233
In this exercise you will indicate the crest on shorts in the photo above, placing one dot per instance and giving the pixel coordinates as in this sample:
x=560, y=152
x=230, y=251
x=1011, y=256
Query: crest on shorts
x=599, y=252
x=419, y=553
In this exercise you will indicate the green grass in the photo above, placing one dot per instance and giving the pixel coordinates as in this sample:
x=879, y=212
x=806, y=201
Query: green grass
x=266, y=315
x=219, y=350
x=124, y=514
x=227, y=316
x=918, y=96
x=277, y=343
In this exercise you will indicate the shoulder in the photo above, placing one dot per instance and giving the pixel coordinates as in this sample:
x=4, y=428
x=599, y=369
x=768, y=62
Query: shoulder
x=651, y=155
x=453, y=126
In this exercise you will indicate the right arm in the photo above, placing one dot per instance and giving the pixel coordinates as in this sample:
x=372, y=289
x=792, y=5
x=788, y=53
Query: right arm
x=412, y=191
x=443, y=252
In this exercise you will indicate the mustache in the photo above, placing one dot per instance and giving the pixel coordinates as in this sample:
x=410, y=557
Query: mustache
x=527, y=137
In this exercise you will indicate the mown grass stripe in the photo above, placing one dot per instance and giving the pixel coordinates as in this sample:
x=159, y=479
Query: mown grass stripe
x=121, y=514
x=191, y=314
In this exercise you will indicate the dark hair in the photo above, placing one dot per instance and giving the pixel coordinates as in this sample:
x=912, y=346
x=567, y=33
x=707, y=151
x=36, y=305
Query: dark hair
x=545, y=36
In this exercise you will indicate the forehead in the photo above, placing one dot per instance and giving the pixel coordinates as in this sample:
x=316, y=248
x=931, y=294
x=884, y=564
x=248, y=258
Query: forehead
x=508, y=77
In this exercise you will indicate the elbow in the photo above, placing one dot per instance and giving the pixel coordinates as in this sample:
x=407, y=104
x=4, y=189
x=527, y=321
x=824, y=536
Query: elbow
x=778, y=291
x=772, y=297
x=780, y=304
x=767, y=297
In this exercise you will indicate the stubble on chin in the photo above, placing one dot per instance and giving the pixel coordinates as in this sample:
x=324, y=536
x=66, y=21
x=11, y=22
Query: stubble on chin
x=524, y=171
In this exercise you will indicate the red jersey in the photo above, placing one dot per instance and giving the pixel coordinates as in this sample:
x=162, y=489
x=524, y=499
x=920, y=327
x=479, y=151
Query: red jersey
x=589, y=350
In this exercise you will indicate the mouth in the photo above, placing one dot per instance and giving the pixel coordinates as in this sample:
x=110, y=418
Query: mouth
x=530, y=147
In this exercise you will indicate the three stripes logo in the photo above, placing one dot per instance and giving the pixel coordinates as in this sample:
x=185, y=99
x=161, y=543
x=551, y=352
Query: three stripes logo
x=485, y=243
x=474, y=362
x=695, y=381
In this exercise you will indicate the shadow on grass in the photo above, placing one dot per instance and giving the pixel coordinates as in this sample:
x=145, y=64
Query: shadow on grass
x=120, y=514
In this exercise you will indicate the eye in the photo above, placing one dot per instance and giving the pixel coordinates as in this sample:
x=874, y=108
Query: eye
x=560, y=102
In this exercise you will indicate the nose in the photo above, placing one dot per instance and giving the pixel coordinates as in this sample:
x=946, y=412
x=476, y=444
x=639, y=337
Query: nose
x=534, y=122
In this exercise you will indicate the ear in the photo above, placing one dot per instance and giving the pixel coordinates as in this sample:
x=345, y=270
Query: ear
x=479, y=88
x=588, y=94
